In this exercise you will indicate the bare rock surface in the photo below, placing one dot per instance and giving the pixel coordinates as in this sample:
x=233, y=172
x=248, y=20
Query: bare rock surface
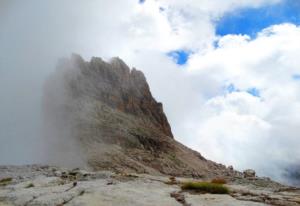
x=217, y=200
x=40, y=185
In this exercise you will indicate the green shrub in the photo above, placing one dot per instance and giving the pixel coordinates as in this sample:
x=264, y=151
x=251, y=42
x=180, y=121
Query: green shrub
x=205, y=187
x=5, y=181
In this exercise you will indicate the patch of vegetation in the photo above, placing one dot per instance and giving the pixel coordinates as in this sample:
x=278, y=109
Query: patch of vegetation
x=5, y=181
x=30, y=185
x=220, y=181
x=205, y=187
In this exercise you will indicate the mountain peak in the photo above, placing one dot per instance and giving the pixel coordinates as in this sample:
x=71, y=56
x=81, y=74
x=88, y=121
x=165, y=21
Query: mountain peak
x=110, y=112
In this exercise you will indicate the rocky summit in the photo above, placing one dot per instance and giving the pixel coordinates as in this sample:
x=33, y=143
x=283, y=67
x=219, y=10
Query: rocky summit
x=101, y=118
x=117, y=123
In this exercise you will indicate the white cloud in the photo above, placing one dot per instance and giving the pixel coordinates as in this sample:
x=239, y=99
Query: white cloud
x=238, y=128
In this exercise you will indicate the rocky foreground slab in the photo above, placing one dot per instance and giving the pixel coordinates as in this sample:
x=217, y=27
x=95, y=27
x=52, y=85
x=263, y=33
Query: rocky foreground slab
x=47, y=185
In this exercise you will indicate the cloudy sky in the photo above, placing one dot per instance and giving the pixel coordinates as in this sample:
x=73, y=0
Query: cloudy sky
x=227, y=71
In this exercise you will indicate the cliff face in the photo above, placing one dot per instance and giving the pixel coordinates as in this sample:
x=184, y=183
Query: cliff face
x=115, y=85
x=116, y=122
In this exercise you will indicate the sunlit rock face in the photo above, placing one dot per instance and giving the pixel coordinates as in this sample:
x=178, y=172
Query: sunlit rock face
x=106, y=110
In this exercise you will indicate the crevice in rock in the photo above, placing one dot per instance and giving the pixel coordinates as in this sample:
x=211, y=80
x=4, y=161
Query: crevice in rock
x=263, y=198
x=73, y=186
x=179, y=197
x=30, y=201
x=72, y=198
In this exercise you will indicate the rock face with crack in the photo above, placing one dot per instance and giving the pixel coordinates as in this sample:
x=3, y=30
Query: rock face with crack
x=110, y=112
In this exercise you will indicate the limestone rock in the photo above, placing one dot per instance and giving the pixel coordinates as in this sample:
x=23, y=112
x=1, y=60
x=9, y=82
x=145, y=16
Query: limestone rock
x=249, y=173
x=108, y=188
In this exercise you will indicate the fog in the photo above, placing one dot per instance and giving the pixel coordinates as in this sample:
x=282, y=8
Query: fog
x=33, y=36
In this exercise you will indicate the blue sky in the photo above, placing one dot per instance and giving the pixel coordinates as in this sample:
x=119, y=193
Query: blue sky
x=296, y=77
x=250, y=21
x=179, y=56
x=253, y=90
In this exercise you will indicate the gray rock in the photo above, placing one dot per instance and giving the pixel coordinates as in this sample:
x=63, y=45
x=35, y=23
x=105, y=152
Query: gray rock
x=218, y=200
x=108, y=189
x=249, y=173
x=58, y=173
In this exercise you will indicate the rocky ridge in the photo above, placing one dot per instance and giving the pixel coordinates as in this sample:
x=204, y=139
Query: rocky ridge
x=111, y=112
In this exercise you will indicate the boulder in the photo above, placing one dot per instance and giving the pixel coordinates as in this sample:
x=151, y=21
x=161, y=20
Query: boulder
x=249, y=173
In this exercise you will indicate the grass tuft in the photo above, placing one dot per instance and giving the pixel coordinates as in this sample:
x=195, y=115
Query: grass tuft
x=205, y=187
x=5, y=181
x=219, y=181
